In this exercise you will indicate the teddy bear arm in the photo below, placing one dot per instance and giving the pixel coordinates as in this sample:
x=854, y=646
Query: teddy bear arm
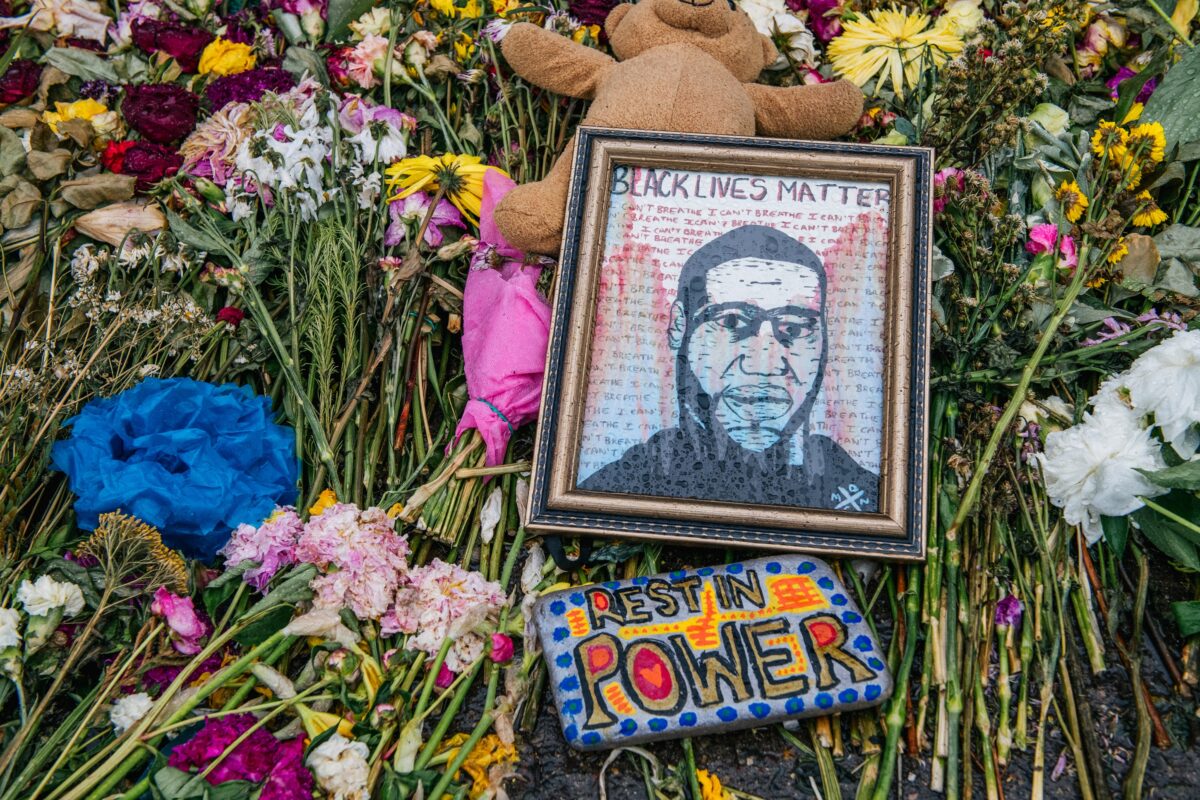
x=554, y=62
x=820, y=111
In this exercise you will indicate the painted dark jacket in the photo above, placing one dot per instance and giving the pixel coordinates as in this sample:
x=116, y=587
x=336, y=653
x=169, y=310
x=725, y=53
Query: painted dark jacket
x=676, y=463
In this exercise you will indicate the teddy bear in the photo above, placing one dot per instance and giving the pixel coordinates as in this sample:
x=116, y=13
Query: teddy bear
x=680, y=65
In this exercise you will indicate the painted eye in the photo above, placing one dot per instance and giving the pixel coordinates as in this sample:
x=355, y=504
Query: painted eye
x=730, y=321
x=792, y=330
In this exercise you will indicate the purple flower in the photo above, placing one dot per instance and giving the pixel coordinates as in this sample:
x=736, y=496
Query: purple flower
x=413, y=208
x=248, y=86
x=824, y=16
x=252, y=760
x=1124, y=74
x=1008, y=611
x=160, y=112
x=20, y=80
x=156, y=679
x=99, y=90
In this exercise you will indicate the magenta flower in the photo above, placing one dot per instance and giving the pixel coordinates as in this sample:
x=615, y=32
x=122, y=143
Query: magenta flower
x=502, y=648
x=1008, y=611
x=187, y=629
x=1124, y=74
x=413, y=209
x=946, y=182
x=1067, y=257
x=824, y=16
x=1042, y=239
x=256, y=758
x=289, y=778
x=444, y=678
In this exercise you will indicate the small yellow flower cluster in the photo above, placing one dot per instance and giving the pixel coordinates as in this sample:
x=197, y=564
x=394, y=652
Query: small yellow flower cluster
x=1129, y=152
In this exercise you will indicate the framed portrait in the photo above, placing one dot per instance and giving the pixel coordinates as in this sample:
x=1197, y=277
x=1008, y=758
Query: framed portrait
x=738, y=354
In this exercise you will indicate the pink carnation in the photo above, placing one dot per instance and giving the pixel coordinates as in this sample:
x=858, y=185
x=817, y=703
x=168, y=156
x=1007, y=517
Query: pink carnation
x=1042, y=239
x=187, y=629
x=443, y=600
x=362, y=556
x=360, y=62
x=257, y=758
x=271, y=546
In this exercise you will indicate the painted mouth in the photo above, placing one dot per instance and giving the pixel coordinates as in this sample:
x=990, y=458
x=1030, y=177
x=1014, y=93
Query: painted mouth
x=758, y=403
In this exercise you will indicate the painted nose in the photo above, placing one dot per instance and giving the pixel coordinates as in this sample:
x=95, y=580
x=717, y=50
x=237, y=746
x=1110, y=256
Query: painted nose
x=763, y=356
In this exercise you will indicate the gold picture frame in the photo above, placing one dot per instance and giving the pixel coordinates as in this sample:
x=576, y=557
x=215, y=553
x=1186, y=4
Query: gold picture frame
x=896, y=527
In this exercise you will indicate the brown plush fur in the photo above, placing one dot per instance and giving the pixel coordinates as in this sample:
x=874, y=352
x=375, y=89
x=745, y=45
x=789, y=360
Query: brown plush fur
x=681, y=65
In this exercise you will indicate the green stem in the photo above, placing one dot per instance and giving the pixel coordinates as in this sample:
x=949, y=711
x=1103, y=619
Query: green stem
x=898, y=705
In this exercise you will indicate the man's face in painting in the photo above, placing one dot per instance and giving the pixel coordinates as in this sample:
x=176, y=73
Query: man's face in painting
x=755, y=347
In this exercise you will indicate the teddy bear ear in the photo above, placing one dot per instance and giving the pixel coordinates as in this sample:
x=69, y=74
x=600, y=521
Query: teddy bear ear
x=770, y=54
x=615, y=16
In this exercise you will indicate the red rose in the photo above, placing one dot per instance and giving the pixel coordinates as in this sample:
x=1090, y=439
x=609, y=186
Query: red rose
x=160, y=112
x=180, y=42
x=150, y=163
x=113, y=157
x=20, y=80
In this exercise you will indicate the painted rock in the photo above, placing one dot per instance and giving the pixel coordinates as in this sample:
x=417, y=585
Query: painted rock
x=707, y=650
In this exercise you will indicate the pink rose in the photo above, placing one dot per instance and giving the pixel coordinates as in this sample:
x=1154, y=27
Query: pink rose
x=444, y=678
x=187, y=629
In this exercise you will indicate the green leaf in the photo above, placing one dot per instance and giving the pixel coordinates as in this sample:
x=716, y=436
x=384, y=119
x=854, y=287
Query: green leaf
x=1187, y=617
x=1169, y=538
x=1176, y=103
x=81, y=64
x=169, y=784
x=341, y=14
x=258, y=632
x=292, y=590
x=224, y=587
x=1183, y=476
x=230, y=790
x=194, y=236
x=301, y=61
x=1116, y=533
x=1179, y=241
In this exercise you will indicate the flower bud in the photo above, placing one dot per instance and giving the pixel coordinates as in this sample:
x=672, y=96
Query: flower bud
x=382, y=714
x=209, y=190
x=344, y=664
x=502, y=648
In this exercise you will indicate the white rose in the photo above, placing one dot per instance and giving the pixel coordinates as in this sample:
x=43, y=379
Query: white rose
x=964, y=16
x=377, y=22
x=340, y=768
x=771, y=18
x=10, y=623
x=126, y=712
x=45, y=595
x=1091, y=469
x=1165, y=381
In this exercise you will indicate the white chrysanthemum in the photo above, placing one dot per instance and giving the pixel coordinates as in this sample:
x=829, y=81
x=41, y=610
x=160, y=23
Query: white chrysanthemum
x=340, y=768
x=126, y=711
x=46, y=594
x=10, y=624
x=1091, y=469
x=1165, y=382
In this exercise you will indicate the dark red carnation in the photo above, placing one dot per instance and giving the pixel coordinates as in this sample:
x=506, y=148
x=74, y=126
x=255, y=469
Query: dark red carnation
x=160, y=112
x=248, y=86
x=113, y=157
x=20, y=80
x=231, y=316
x=591, y=12
x=180, y=42
x=150, y=163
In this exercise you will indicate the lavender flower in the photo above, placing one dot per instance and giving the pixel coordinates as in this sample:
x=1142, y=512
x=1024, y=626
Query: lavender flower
x=1008, y=611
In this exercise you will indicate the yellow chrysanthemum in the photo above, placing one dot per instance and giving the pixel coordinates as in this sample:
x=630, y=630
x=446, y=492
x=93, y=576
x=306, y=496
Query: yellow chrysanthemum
x=710, y=786
x=223, y=57
x=1072, y=199
x=1119, y=250
x=1148, y=141
x=327, y=499
x=447, y=8
x=464, y=48
x=895, y=43
x=80, y=109
x=1148, y=214
x=460, y=177
x=1109, y=140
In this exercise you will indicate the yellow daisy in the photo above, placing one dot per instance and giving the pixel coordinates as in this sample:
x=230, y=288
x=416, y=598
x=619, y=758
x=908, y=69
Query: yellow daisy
x=895, y=43
x=1119, y=250
x=1072, y=199
x=1149, y=214
x=460, y=177
x=1109, y=140
x=1148, y=140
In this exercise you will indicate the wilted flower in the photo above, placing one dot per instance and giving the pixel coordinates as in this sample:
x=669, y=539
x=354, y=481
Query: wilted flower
x=252, y=760
x=187, y=629
x=20, y=80
x=460, y=177
x=894, y=44
x=127, y=710
x=1148, y=213
x=1124, y=74
x=44, y=596
x=114, y=223
x=1008, y=611
x=211, y=151
x=180, y=42
x=248, y=86
x=146, y=161
x=1072, y=199
x=271, y=546
x=413, y=209
x=964, y=15
x=340, y=767
x=377, y=22
x=160, y=112
x=80, y=19
x=774, y=20
x=86, y=109
x=1054, y=119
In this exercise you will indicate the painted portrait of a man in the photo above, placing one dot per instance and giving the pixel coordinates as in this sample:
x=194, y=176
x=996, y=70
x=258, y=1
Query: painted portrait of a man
x=748, y=332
